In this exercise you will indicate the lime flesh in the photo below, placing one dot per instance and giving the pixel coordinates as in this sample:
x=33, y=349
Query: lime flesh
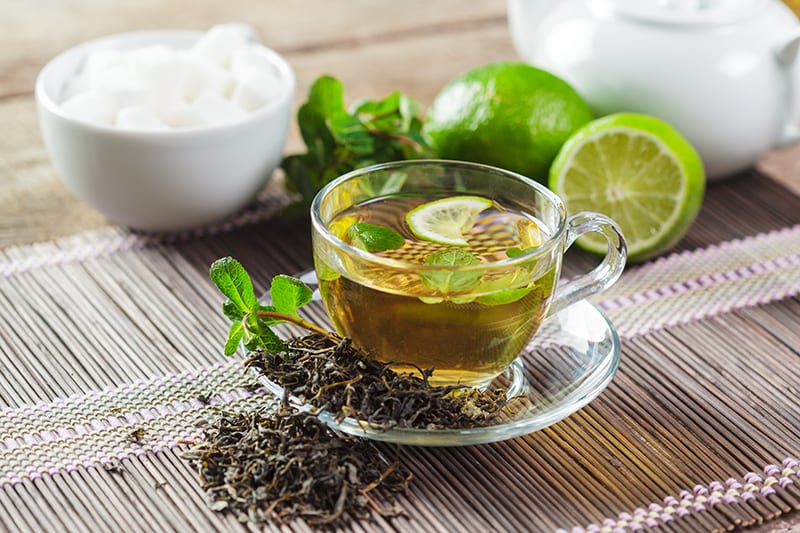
x=445, y=221
x=637, y=170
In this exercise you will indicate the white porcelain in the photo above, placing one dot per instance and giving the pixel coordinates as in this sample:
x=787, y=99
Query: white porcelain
x=721, y=71
x=161, y=180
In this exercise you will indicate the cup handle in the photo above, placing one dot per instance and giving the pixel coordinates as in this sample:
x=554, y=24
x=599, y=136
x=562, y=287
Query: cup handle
x=603, y=275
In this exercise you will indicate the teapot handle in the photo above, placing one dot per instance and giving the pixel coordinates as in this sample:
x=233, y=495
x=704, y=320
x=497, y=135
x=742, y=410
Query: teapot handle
x=786, y=54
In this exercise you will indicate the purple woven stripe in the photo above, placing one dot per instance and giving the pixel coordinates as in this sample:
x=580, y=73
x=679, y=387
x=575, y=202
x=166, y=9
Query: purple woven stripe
x=99, y=425
x=120, y=242
x=701, y=282
x=99, y=459
x=732, y=248
x=702, y=497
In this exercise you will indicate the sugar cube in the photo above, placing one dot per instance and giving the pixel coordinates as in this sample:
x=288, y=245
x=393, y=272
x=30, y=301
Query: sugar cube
x=75, y=85
x=100, y=60
x=255, y=89
x=90, y=106
x=139, y=118
x=142, y=60
x=181, y=115
x=165, y=82
x=201, y=76
x=218, y=43
x=215, y=109
x=121, y=86
x=250, y=56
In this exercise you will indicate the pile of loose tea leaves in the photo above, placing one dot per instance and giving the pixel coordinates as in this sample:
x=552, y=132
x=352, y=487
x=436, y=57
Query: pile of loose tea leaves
x=287, y=465
x=332, y=374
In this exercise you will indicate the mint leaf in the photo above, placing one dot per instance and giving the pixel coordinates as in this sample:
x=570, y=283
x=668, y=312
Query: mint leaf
x=516, y=252
x=450, y=281
x=289, y=294
x=232, y=311
x=258, y=335
x=338, y=141
x=500, y=290
x=326, y=94
x=374, y=238
x=371, y=110
x=232, y=280
x=314, y=129
x=350, y=132
x=378, y=185
x=234, y=337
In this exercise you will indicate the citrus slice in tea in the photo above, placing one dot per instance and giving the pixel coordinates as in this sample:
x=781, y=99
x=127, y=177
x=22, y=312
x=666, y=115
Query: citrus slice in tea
x=445, y=221
x=639, y=171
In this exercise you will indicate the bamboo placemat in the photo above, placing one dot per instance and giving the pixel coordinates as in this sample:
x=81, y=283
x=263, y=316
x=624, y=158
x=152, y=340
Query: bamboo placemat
x=109, y=332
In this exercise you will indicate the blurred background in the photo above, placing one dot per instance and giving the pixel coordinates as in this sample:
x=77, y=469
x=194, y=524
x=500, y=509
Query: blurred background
x=374, y=48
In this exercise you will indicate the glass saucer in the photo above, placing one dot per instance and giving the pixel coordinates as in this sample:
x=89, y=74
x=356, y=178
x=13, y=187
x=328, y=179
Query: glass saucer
x=571, y=360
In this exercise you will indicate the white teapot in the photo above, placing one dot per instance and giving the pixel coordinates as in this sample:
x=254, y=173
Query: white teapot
x=721, y=71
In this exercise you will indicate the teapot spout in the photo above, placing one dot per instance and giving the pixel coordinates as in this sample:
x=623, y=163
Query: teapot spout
x=786, y=55
x=787, y=52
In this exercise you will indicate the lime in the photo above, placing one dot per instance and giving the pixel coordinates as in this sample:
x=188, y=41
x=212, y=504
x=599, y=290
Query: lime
x=639, y=171
x=509, y=115
x=445, y=221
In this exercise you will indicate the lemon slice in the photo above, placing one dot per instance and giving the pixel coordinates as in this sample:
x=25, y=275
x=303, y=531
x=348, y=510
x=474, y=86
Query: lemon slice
x=446, y=221
x=639, y=171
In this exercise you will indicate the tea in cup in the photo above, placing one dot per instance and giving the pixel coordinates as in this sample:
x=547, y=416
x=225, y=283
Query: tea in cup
x=447, y=265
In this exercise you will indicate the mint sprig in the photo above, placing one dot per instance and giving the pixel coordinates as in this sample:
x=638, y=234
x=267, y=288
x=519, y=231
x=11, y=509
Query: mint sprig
x=250, y=321
x=339, y=140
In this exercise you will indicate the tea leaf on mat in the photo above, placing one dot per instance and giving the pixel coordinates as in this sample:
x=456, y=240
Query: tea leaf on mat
x=449, y=281
x=375, y=238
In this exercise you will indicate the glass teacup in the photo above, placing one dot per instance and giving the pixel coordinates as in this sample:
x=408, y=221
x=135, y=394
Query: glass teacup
x=463, y=302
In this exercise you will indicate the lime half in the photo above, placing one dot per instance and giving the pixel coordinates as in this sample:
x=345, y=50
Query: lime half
x=637, y=170
x=446, y=221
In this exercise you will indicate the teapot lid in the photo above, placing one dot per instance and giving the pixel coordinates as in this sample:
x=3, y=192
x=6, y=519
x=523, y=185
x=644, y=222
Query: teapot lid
x=687, y=12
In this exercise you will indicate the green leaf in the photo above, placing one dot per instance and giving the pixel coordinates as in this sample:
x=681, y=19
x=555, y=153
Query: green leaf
x=232, y=311
x=505, y=289
x=338, y=141
x=451, y=281
x=258, y=335
x=326, y=94
x=314, y=129
x=350, y=132
x=235, y=335
x=374, y=238
x=409, y=108
x=369, y=110
x=516, y=252
x=289, y=294
x=233, y=281
x=325, y=272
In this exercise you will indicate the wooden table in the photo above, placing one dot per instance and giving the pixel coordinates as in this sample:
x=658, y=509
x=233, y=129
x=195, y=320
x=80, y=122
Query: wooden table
x=73, y=284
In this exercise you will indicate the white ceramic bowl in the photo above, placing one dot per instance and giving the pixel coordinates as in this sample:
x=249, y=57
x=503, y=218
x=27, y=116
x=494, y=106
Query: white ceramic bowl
x=168, y=180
